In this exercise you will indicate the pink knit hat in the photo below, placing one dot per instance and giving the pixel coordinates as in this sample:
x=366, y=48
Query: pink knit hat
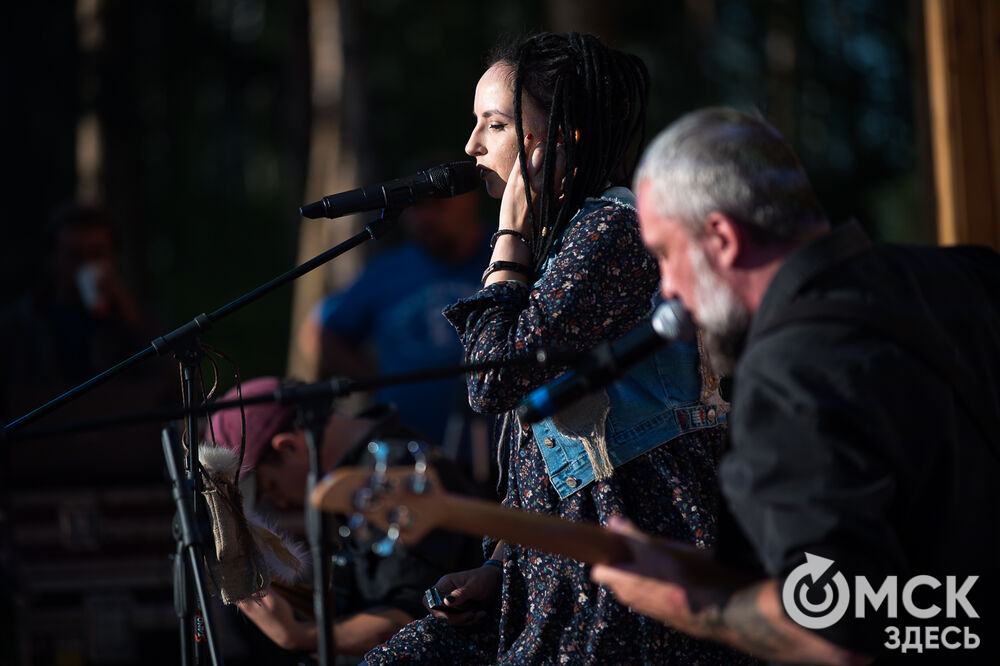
x=264, y=421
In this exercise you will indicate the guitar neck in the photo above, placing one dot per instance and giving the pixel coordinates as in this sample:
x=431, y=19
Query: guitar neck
x=579, y=541
x=584, y=542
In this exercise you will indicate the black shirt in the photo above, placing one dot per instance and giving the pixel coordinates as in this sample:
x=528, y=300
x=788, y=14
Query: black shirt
x=848, y=445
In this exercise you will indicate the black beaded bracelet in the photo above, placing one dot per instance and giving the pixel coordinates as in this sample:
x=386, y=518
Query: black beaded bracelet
x=508, y=232
x=493, y=563
x=506, y=266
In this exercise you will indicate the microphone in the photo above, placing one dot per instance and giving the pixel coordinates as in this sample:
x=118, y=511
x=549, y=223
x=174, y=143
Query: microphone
x=440, y=182
x=608, y=361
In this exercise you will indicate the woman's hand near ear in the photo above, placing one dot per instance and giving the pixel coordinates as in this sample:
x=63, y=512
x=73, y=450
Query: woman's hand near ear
x=513, y=206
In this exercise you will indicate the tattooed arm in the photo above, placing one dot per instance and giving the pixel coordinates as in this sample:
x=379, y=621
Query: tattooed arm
x=689, y=591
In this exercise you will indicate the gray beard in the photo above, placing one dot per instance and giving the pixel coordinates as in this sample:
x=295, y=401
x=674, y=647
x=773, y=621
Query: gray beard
x=723, y=317
x=724, y=351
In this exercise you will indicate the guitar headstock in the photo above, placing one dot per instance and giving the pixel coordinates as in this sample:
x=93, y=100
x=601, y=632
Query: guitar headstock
x=409, y=502
x=398, y=500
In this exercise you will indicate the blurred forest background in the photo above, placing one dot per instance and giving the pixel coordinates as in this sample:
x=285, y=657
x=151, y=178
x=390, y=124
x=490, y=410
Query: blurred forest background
x=202, y=125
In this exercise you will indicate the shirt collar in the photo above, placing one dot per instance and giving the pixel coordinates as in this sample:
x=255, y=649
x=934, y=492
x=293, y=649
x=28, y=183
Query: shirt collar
x=805, y=263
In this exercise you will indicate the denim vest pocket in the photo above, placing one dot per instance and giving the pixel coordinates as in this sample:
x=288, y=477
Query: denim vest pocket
x=566, y=460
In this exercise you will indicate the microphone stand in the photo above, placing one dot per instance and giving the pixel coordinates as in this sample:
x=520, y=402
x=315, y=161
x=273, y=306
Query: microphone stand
x=312, y=415
x=187, y=571
x=313, y=408
x=330, y=388
x=183, y=343
x=313, y=402
x=195, y=622
x=201, y=323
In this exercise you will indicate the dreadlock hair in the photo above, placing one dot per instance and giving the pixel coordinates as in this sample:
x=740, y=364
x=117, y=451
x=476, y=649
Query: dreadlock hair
x=595, y=99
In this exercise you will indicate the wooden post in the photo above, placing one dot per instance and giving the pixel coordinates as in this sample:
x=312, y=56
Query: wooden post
x=332, y=168
x=963, y=70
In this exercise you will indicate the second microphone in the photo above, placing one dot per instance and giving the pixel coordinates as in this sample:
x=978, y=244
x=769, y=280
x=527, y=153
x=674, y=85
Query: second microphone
x=608, y=361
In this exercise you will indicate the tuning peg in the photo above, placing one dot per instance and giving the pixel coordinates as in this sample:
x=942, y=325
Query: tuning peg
x=383, y=547
x=380, y=450
x=363, y=498
x=356, y=521
x=354, y=526
x=419, y=451
x=418, y=480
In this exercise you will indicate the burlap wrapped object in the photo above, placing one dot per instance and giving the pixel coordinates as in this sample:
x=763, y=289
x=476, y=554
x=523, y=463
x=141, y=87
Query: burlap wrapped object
x=246, y=551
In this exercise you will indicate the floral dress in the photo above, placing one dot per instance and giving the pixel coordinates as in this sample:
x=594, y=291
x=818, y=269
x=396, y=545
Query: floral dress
x=597, y=287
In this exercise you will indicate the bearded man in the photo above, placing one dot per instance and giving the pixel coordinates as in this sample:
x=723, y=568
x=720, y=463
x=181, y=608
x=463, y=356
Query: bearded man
x=864, y=439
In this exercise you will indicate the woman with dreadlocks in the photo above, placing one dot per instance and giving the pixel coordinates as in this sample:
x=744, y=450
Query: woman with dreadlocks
x=559, y=119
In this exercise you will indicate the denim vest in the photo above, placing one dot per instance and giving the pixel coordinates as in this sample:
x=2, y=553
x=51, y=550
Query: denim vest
x=656, y=401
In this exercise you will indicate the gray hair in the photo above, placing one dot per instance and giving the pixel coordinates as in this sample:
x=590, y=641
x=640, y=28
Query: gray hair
x=724, y=160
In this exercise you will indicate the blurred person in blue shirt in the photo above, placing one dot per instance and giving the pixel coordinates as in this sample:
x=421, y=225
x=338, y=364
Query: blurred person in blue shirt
x=389, y=321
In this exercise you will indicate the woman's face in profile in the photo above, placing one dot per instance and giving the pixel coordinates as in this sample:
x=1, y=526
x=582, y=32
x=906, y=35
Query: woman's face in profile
x=493, y=141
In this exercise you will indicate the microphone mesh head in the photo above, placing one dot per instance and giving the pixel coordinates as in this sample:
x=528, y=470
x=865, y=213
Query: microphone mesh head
x=672, y=322
x=454, y=178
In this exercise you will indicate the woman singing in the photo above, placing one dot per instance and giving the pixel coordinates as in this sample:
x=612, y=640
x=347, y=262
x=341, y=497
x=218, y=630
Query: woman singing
x=559, y=119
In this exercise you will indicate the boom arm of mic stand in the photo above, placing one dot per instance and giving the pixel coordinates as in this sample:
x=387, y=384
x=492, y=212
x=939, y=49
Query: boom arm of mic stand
x=165, y=344
x=331, y=388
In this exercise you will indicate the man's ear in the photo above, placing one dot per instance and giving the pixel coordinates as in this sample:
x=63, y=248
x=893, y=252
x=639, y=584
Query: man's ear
x=285, y=443
x=723, y=240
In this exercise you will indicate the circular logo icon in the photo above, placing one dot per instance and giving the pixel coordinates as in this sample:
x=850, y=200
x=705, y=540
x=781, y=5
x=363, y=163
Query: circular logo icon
x=806, y=613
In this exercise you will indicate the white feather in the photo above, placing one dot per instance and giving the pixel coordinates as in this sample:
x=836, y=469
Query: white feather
x=218, y=460
x=286, y=557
